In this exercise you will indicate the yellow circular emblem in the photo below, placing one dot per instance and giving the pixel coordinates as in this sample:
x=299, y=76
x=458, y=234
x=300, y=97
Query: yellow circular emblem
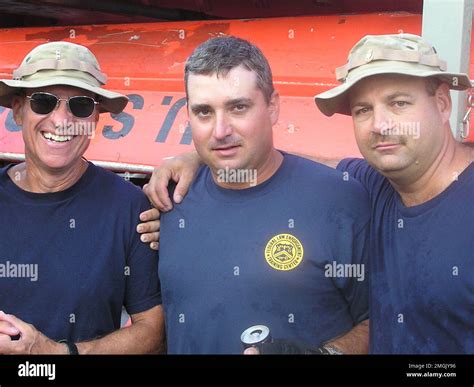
x=284, y=252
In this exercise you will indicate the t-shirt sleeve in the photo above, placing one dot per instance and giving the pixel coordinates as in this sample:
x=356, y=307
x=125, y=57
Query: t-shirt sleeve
x=360, y=170
x=142, y=287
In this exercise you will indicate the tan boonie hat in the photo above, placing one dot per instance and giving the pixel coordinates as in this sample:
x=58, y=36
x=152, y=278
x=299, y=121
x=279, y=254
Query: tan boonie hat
x=61, y=63
x=405, y=54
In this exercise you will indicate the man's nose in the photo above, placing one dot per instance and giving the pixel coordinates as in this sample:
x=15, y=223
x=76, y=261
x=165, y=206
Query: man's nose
x=60, y=113
x=222, y=126
x=382, y=122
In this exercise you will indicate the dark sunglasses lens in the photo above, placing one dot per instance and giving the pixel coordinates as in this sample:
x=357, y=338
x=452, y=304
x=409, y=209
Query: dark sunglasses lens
x=43, y=103
x=81, y=107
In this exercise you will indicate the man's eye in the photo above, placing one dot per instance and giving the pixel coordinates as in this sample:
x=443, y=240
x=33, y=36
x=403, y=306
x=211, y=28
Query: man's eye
x=239, y=108
x=204, y=113
x=400, y=103
x=360, y=111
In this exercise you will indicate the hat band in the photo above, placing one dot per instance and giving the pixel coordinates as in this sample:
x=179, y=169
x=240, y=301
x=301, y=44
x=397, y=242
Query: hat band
x=61, y=64
x=60, y=77
x=357, y=60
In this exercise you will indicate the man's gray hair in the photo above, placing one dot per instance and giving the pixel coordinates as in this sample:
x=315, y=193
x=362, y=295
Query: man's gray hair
x=222, y=54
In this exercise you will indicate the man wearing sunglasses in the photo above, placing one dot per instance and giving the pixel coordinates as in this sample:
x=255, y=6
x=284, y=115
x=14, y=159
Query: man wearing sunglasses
x=69, y=254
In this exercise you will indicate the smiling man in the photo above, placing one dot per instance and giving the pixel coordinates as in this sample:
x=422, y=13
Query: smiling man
x=239, y=253
x=69, y=222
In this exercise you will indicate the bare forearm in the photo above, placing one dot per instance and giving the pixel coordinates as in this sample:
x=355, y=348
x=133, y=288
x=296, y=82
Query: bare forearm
x=145, y=335
x=135, y=339
x=356, y=341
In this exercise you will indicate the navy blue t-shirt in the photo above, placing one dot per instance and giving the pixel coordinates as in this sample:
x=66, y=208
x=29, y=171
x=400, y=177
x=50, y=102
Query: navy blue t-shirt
x=78, y=254
x=422, y=267
x=276, y=254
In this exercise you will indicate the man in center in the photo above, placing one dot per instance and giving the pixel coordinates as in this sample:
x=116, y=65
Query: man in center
x=264, y=237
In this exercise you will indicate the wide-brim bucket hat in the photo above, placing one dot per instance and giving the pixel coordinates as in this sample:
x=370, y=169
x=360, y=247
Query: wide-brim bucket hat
x=404, y=54
x=62, y=63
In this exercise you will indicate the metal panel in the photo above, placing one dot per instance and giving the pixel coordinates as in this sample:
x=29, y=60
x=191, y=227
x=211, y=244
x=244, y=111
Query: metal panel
x=447, y=24
x=146, y=61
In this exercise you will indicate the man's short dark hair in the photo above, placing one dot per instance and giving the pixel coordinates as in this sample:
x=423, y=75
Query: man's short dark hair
x=222, y=54
x=432, y=84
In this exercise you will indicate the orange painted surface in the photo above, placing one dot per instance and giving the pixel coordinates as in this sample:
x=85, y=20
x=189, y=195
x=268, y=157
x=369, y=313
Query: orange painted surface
x=146, y=61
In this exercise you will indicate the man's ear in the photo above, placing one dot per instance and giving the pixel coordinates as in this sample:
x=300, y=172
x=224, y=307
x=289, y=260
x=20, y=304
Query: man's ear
x=18, y=103
x=97, y=118
x=274, y=107
x=443, y=100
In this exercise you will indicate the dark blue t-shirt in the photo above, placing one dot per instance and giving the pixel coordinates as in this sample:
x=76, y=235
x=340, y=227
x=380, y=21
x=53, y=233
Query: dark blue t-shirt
x=422, y=267
x=269, y=254
x=78, y=254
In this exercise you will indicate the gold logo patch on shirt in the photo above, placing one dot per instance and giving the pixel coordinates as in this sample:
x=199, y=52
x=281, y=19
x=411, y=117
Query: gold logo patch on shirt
x=284, y=252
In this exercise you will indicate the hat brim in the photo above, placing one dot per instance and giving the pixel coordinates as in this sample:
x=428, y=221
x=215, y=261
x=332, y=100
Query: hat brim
x=109, y=101
x=336, y=99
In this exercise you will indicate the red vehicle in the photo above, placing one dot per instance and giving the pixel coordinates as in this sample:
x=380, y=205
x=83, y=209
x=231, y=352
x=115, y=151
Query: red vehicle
x=144, y=58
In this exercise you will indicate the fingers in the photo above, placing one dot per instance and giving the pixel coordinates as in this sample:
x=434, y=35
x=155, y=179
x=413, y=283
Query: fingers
x=157, y=189
x=5, y=344
x=8, y=329
x=180, y=169
x=14, y=321
x=31, y=341
x=148, y=215
x=161, y=187
x=251, y=351
x=5, y=339
x=150, y=232
x=152, y=196
x=150, y=237
x=151, y=192
x=182, y=187
x=149, y=227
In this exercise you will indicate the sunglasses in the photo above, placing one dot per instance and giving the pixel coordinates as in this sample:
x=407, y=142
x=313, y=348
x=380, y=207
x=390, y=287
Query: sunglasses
x=44, y=103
